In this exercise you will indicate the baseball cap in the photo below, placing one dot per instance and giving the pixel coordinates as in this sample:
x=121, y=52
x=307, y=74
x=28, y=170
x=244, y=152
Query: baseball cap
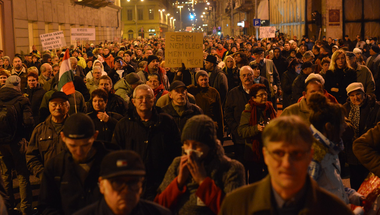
x=176, y=84
x=60, y=95
x=79, y=126
x=122, y=163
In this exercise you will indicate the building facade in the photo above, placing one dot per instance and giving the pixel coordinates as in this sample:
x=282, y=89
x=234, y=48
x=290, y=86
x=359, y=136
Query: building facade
x=23, y=21
x=144, y=19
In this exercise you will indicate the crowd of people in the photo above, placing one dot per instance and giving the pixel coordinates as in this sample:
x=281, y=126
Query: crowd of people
x=137, y=137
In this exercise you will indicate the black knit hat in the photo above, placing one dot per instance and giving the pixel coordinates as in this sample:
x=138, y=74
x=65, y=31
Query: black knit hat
x=151, y=58
x=200, y=128
x=375, y=48
x=122, y=163
x=79, y=126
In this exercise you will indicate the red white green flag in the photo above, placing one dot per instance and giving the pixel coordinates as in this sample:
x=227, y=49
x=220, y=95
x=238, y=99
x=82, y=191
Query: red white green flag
x=66, y=76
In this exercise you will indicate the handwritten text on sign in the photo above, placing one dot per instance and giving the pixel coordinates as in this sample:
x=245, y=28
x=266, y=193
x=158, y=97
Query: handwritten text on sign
x=82, y=34
x=184, y=48
x=53, y=40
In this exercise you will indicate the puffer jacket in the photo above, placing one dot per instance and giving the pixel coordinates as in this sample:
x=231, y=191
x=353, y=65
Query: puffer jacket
x=44, y=144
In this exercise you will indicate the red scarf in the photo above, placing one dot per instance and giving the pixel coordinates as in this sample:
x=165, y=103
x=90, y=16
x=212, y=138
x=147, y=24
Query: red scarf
x=256, y=141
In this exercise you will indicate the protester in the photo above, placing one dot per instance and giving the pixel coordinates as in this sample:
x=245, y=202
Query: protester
x=35, y=94
x=287, y=189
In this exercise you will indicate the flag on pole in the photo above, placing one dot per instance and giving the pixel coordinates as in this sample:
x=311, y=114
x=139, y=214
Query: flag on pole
x=66, y=76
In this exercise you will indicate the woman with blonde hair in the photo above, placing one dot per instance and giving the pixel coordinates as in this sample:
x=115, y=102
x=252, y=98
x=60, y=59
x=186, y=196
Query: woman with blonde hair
x=231, y=71
x=339, y=76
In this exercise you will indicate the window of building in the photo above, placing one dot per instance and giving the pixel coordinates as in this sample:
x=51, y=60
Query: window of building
x=151, y=14
x=129, y=15
x=140, y=14
x=130, y=34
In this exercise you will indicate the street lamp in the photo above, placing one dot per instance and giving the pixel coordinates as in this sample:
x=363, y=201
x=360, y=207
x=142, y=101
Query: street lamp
x=180, y=16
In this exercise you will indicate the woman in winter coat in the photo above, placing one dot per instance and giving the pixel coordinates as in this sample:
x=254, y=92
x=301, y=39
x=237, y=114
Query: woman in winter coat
x=327, y=126
x=339, y=76
x=197, y=182
x=232, y=72
x=363, y=112
x=287, y=80
x=258, y=112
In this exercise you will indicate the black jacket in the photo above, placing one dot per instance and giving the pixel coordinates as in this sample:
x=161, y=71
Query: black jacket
x=232, y=77
x=105, y=128
x=115, y=104
x=35, y=97
x=62, y=191
x=142, y=208
x=158, y=143
x=287, y=80
x=298, y=86
x=190, y=111
x=339, y=79
x=236, y=100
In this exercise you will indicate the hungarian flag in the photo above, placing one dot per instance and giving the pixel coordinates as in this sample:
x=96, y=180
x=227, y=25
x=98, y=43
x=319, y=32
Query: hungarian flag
x=66, y=76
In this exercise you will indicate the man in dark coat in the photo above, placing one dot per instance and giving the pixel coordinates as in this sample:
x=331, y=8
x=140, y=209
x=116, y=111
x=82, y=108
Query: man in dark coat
x=70, y=180
x=373, y=63
x=218, y=79
x=299, y=85
x=120, y=170
x=11, y=152
x=180, y=108
x=279, y=61
x=288, y=189
x=150, y=133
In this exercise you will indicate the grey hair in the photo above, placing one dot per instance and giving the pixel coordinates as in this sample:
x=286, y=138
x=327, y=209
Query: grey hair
x=143, y=87
x=246, y=67
x=43, y=67
x=73, y=59
x=308, y=54
x=97, y=67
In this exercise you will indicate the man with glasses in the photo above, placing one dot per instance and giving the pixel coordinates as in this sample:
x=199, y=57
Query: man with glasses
x=121, y=179
x=46, y=141
x=288, y=189
x=152, y=134
x=70, y=179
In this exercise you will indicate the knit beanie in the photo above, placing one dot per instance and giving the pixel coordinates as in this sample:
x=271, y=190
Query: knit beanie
x=200, y=73
x=151, y=58
x=200, y=128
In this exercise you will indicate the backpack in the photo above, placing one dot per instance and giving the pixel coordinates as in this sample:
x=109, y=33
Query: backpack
x=8, y=123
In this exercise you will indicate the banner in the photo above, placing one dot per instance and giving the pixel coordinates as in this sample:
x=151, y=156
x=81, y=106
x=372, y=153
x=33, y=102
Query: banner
x=182, y=47
x=82, y=34
x=53, y=40
x=268, y=32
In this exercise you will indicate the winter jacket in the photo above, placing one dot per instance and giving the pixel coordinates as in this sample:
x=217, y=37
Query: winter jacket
x=115, y=104
x=369, y=117
x=269, y=71
x=299, y=109
x=44, y=145
x=316, y=200
x=236, y=100
x=109, y=59
x=157, y=142
x=208, y=100
x=124, y=90
x=373, y=64
x=22, y=74
x=232, y=77
x=89, y=74
x=105, y=128
x=223, y=176
x=25, y=122
x=298, y=86
x=62, y=191
x=364, y=76
x=142, y=208
x=218, y=80
x=287, y=81
x=163, y=78
x=35, y=97
x=281, y=64
x=340, y=79
x=190, y=111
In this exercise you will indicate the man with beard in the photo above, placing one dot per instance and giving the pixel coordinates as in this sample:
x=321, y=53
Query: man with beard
x=20, y=71
x=46, y=141
x=70, y=179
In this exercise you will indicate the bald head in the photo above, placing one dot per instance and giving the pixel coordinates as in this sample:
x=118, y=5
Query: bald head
x=46, y=70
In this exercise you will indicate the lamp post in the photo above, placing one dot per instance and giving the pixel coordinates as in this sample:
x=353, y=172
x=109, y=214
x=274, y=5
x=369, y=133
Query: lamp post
x=180, y=16
x=136, y=18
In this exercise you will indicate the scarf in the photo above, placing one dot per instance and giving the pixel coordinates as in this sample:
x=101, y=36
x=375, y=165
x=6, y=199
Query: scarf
x=257, y=142
x=354, y=117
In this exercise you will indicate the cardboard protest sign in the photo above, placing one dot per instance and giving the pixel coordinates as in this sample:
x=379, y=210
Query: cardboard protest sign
x=52, y=40
x=82, y=34
x=183, y=47
x=267, y=32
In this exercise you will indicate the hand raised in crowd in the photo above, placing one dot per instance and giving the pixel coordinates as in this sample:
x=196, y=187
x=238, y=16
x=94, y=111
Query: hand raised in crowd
x=103, y=116
x=260, y=127
x=183, y=172
x=196, y=168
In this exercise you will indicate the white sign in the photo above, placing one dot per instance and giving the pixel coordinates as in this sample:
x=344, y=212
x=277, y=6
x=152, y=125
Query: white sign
x=267, y=32
x=82, y=34
x=53, y=40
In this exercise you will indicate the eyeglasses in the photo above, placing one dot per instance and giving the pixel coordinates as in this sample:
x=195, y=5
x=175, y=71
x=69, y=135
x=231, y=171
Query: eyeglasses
x=120, y=184
x=262, y=95
x=144, y=97
x=296, y=155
